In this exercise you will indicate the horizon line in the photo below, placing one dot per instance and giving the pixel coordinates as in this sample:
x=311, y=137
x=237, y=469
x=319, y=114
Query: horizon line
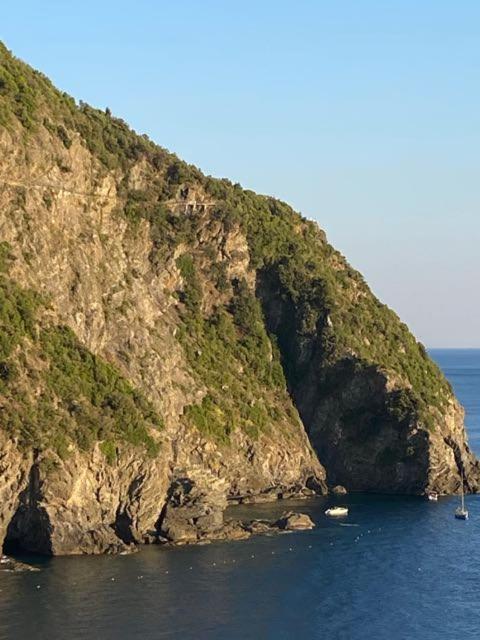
x=429, y=348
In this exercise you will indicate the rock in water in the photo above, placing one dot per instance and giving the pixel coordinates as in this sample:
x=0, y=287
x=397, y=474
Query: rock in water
x=194, y=509
x=238, y=529
x=163, y=327
x=291, y=521
x=10, y=565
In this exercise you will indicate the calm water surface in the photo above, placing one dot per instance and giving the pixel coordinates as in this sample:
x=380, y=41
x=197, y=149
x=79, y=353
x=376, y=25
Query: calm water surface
x=403, y=568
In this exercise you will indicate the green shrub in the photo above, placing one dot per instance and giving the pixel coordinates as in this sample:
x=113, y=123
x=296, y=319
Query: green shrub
x=5, y=256
x=109, y=450
x=79, y=397
x=191, y=296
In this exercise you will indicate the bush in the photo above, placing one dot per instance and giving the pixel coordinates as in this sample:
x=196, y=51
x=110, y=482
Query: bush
x=191, y=295
x=74, y=396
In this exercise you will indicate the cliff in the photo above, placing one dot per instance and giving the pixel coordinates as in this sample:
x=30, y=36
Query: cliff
x=160, y=326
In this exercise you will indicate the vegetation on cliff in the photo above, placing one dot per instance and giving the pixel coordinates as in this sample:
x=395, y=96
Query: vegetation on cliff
x=54, y=392
x=332, y=302
x=228, y=346
x=231, y=354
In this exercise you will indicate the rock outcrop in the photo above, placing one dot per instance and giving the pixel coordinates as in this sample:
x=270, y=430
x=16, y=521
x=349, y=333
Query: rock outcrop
x=82, y=505
x=194, y=512
x=170, y=342
x=194, y=508
x=9, y=565
x=292, y=521
x=189, y=524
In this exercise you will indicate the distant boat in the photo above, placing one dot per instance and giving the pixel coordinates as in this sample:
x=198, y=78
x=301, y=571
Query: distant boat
x=432, y=496
x=335, y=512
x=460, y=512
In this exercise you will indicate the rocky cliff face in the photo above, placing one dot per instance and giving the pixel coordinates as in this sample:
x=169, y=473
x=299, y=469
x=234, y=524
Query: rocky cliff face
x=364, y=421
x=159, y=325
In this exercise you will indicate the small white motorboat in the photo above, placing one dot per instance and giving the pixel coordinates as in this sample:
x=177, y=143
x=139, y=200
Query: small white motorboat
x=335, y=512
x=432, y=496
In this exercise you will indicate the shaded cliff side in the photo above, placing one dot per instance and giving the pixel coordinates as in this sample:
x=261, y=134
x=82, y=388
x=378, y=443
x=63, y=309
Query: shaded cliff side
x=157, y=324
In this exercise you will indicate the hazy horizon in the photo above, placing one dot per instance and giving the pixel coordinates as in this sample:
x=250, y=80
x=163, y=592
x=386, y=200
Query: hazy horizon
x=363, y=117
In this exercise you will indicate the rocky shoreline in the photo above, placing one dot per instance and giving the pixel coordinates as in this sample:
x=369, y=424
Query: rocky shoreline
x=193, y=514
x=10, y=565
x=230, y=530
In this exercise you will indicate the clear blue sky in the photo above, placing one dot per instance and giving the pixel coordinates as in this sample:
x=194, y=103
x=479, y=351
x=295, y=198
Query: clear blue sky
x=364, y=115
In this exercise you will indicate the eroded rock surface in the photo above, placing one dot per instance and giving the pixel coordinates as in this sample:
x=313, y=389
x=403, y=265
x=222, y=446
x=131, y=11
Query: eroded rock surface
x=292, y=521
x=83, y=505
x=236, y=529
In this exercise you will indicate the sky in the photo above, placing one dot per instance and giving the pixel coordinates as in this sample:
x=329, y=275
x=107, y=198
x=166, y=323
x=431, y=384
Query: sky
x=364, y=115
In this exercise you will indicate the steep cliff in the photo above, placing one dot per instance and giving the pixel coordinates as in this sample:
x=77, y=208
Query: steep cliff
x=157, y=324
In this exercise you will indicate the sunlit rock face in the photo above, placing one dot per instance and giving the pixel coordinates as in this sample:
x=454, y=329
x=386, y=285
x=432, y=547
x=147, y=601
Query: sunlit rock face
x=159, y=325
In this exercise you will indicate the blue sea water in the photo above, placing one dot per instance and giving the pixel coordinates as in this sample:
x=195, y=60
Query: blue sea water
x=398, y=568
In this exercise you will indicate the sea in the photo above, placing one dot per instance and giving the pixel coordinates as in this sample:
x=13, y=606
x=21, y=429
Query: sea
x=398, y=568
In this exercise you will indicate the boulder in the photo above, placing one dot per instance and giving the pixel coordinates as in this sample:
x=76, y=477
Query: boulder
x=194, y=510
x=339, y=490
x=292, y=521
x=14, y=566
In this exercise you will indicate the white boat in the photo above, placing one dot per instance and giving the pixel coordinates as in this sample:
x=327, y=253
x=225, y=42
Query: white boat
x=335, y=512
x=432, y=496
x=460, y=512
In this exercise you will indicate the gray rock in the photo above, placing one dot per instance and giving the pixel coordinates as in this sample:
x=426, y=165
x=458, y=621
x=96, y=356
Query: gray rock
x=10, y=565
x=259, y=526
x=241, y=530
x=339, y=490
x=292, y=521
x=194, y=509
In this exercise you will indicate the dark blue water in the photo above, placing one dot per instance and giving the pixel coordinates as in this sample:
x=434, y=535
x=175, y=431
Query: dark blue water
x=403, y=569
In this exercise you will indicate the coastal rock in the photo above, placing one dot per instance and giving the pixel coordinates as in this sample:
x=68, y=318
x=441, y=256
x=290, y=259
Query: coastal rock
x=15, y=466
x=339, y=490
x=292, y=521
x=194, y=508
x=82, y=505
x=10, y=565
x=370, y=428
x=237, y=529
x=104, y=285
x=231, y=530
x=257, y=527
